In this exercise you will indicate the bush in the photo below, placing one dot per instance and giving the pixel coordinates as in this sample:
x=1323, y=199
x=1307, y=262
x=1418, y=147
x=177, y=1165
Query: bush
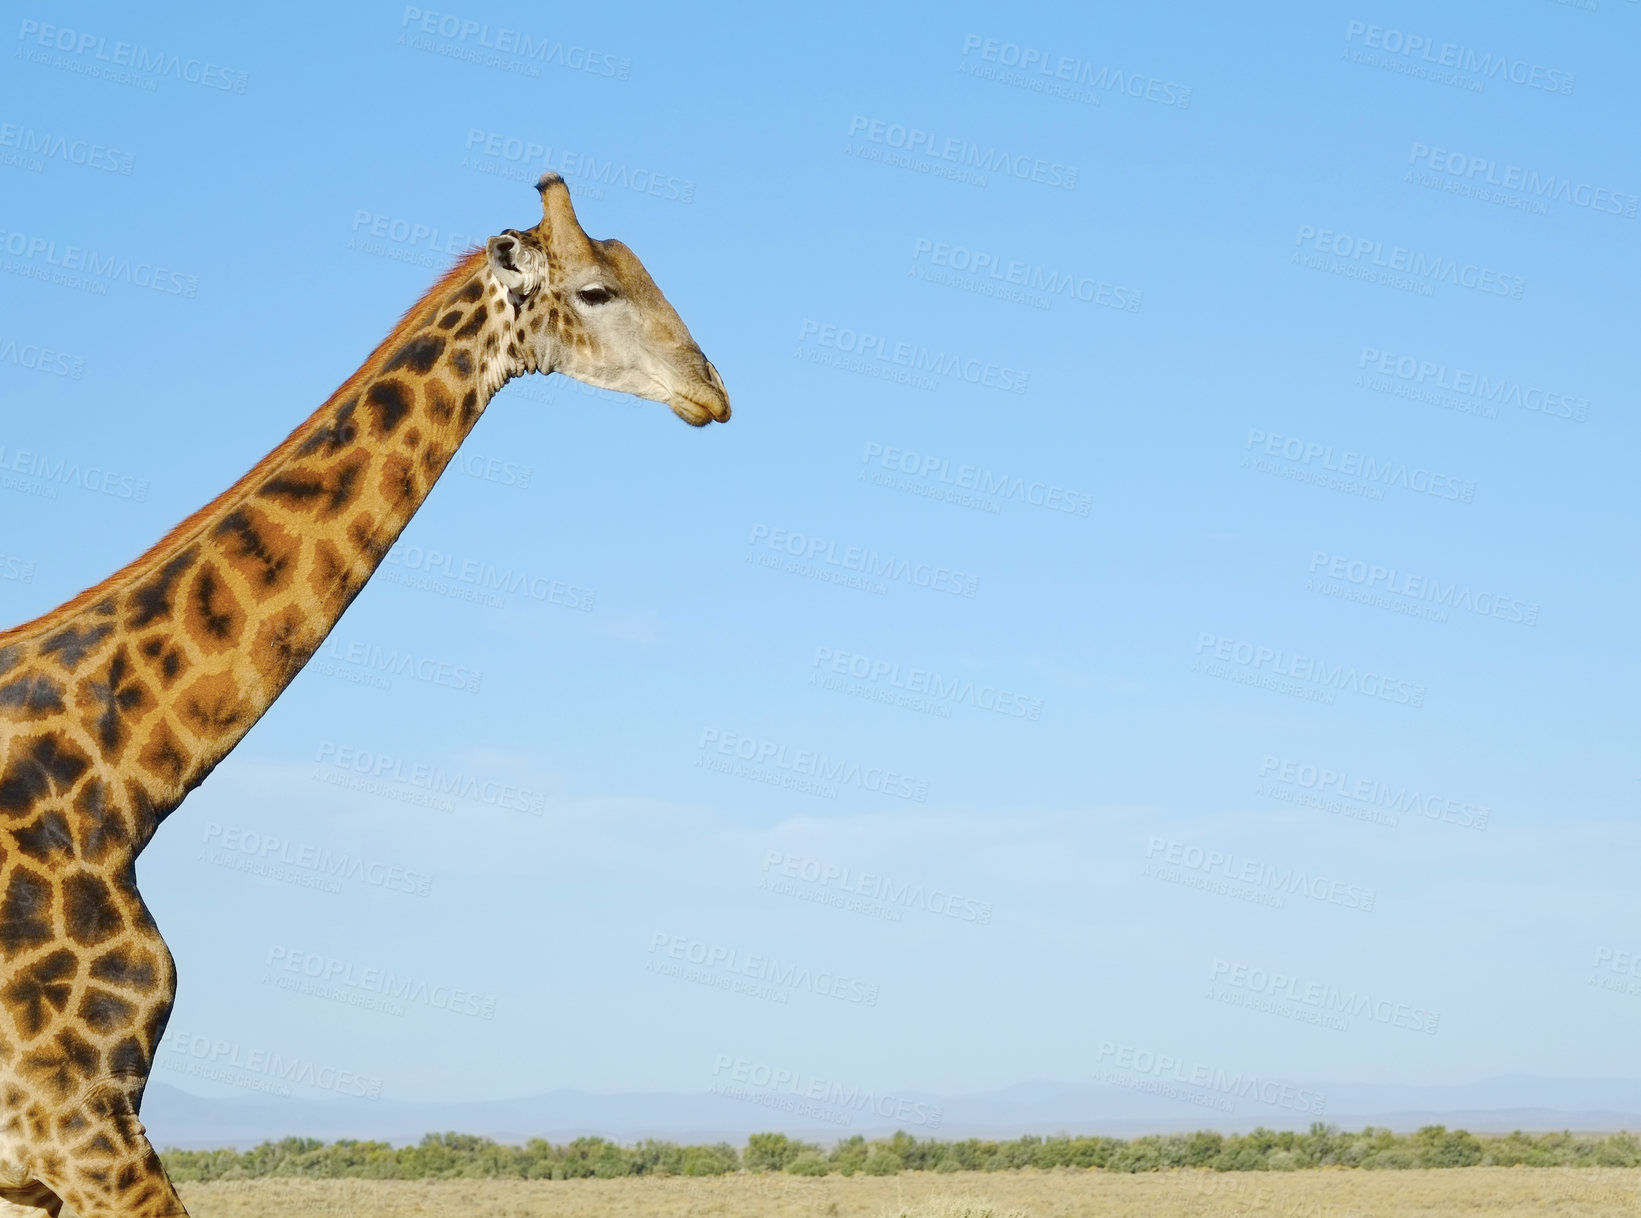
x=773, y=1151
x=848, y=1155
x=1394, y=1158
x=708, y=1160
x=881, y=1162
x=1438, y=1148
x=446, y=1156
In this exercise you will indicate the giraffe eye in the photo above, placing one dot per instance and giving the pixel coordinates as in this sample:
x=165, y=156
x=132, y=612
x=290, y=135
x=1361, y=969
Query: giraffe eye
x=595, y=295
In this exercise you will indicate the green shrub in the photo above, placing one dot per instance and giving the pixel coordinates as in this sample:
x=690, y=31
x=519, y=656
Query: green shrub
x=1394, y=1157
x=848, y=1155
x=881, y=1162
x=773, y=1151
x=707, y=1160
x=1436, y=1147
x=445, y=1156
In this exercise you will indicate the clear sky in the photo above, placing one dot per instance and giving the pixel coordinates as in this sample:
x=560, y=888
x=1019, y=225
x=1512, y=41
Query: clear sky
x=1170, y=575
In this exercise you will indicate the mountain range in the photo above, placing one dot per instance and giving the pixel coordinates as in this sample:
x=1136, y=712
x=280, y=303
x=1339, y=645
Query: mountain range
x=1124, y=1106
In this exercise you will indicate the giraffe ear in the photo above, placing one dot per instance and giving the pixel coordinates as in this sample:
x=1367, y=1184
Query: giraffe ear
x=518, y=266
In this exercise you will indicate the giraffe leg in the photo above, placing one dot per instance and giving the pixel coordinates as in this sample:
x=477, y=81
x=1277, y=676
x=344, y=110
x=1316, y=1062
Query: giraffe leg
x=109, y=1170
x=31, y=1201
x=90, y=1148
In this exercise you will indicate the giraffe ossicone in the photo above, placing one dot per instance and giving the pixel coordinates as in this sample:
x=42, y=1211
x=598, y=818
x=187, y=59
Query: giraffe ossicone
x=119, y=702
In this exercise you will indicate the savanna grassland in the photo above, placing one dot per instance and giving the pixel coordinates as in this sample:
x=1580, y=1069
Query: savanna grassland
x=1475, y=1192
x=1323, y=1173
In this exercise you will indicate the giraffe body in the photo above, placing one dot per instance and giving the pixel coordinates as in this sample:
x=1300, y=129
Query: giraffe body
x=118, y=703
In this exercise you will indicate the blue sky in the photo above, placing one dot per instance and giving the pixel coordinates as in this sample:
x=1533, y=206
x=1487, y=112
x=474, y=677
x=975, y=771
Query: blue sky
x=1254, y=534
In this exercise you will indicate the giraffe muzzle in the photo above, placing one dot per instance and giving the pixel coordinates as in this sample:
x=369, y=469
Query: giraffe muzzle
x=718, y=405
x=706, y=401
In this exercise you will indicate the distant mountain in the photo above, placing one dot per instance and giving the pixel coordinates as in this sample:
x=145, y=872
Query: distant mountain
x=1119, y=1109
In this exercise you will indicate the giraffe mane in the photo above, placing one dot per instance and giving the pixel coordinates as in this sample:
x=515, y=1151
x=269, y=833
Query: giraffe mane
x=414, y=317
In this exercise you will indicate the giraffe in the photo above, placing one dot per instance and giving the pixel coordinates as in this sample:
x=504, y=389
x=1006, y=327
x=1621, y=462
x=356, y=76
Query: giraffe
x=118, y=703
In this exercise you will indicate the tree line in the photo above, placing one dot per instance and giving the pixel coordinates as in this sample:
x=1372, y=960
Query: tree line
x=465, y=1156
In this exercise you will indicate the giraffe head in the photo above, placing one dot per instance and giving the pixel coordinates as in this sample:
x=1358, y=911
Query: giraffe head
x=589, y=309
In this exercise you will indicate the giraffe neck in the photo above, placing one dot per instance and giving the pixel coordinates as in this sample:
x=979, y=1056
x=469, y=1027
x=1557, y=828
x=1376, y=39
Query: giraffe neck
x=126, y=697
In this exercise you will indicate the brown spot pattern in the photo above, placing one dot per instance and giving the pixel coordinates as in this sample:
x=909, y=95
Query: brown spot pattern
x=118, y=704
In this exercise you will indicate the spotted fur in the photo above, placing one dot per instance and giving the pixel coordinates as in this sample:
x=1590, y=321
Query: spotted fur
x=117, y=704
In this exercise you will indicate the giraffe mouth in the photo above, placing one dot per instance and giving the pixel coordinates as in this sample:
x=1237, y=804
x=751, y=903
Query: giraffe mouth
x=705, y=403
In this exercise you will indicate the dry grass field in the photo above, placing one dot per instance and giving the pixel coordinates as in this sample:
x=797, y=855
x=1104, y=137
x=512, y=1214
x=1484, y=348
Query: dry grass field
x=1473, y=1192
